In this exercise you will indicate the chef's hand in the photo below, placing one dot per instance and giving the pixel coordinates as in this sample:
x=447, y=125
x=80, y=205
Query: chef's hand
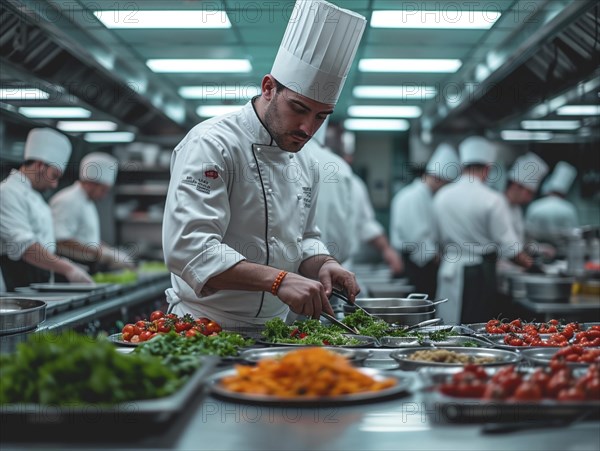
x=304, y=296
x=77, y=275
x=332, y=274
x=394, y=261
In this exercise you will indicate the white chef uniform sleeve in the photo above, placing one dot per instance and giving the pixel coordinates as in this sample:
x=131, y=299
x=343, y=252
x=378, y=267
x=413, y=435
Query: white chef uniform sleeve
x=64, y=217
x=15, y=226
x=502, y=230
x=311, y=239
x=367, y=226
x=197, y=213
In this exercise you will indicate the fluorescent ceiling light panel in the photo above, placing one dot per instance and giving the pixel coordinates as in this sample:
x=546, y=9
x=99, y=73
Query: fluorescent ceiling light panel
x=443, y=18
x=55, y=112
x=216, y=110
x=405, y=92
x=86, y=126
x=522, y=135
x=384, y=111
x=219, y=92
x=109, y=137
x=409, y=65
x=23, y=94
x=163, y=19
x=579, y=110
x=199, y=65
x=550, y=125
x=396, y=125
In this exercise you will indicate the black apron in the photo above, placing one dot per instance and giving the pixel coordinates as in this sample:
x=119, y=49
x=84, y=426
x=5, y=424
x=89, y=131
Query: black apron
x=424, y=278
x=21, y=274
x=480, y=301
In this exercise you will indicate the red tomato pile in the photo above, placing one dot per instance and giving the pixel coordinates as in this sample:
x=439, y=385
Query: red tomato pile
x=160, y=323
x=531, y=337
x=518, y=326
x=556, y=383
x=577, y=354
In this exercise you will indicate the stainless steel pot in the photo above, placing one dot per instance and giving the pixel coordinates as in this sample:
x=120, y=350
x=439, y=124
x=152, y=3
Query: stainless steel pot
x=406, y=319
x=415, y=304
x=548, y=288
x=19, y=315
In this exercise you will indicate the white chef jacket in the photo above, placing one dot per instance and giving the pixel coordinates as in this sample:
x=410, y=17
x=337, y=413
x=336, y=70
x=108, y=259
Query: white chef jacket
x=365, y=225
x=233, y=196
x=516, y=216
x=473, y=220
x=549, y=216
x=75, y=216
x=25, y=217
x=334, y=205
x=412, y=222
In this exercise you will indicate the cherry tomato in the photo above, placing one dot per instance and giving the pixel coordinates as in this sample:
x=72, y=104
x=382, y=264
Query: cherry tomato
x=141, y=324
x=146, y=335
x=192, y=333
x=214, y=328
x=163, y=326
x=135, y=339
x=571, y=394
x=495, y=391
x=157, y=314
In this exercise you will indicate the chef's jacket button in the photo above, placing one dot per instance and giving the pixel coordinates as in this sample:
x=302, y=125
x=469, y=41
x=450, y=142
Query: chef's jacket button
x=291, y=156
x=258, y=149
x=299, y=239
x=270, y=191
x=299, y=196
x=273, y=239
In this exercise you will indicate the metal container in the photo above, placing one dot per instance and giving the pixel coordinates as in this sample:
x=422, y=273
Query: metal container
x=414, y=303
x=548, y=289
x=406, y=319
x=19, y=314
x=500, y=357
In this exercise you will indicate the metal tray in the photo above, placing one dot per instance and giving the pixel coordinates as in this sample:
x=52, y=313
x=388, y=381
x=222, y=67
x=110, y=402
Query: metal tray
x=401, y=388
x=157, y=410
x=502, y=357
x=498, y=341
x=450, y=409
x=365, y=342
x=20, y=314
x=542, y=357
x=255, y=355
x=380, y=359
x=68, y=287
x=118, y=339
x=452, y=341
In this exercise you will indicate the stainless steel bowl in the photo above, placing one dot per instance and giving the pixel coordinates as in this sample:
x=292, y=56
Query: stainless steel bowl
x=392, y=305
x=548, y=289
x=19, y=314
x=406, y=319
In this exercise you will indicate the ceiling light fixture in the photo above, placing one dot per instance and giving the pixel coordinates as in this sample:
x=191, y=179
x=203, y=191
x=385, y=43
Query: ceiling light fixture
x=396, y=125
x=199, y=65
x=55, y=112
x=86, y=126
x=579, y=110
x=23, y=94
x=216, y=110
x=109, y=137
x=220, y=92
x=404, y=92
x=522, y=135
x=163, y=19
x=384, y=111
x=445, y=18
x=550, y=125
x=409, y=65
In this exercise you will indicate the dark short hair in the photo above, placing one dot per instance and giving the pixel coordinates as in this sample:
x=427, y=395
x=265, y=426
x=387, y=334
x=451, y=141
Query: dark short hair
x=279, y=87
x=476, y=166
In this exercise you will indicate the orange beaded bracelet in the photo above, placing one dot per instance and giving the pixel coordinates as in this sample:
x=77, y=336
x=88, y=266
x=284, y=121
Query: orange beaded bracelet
x=277, y=282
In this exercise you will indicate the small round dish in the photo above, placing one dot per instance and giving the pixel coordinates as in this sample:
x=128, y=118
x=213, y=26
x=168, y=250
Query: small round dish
x=501, y=357
x=543, y=356
x=256, y=355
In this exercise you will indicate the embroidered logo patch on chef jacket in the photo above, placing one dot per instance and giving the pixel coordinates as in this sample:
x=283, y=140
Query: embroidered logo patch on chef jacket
x=199, y=185
x=307, y=196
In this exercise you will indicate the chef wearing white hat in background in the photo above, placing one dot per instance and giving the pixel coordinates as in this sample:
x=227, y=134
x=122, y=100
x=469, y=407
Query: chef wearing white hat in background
x=413, y=228
x=239, y=231
x=548, y=217
x=475, y=228
x=27, y=243
x=75, y=216
x=524, y=179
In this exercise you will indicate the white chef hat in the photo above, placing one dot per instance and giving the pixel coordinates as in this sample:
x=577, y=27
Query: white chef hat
x=444, y=163
x=317, y=49
x=99, y=167
x=49, y=146
x=476, y=150
x=561, y=179
x=528, y=171
x=321, y=134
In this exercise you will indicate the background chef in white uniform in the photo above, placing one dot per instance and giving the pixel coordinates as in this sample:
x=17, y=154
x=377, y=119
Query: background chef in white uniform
x=239, y=231
x=548, y=217
x=475, y=228
x=413, y=228
x=75, y=216
x=334, y=204
x=26, y=233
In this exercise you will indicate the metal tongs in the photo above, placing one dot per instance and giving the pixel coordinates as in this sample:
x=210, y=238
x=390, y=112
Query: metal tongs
x=341, y=295
x=337, y=322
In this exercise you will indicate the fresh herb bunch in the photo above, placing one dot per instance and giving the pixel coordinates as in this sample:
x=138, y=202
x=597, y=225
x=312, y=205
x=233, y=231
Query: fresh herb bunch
x=75, y=369
x=309, y=332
